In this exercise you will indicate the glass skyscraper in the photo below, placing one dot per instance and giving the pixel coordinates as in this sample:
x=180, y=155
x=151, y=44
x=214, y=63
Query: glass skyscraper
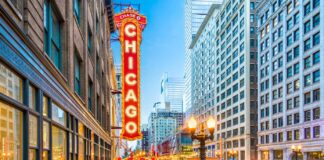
x=172, y=93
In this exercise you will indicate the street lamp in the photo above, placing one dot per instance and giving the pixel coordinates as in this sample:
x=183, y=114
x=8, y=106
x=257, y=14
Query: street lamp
x=296, y=150
x=192, y=124
x=218, y=154
x=232, y=153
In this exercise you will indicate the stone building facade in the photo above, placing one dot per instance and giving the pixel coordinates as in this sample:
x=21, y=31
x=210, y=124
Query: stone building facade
x=290, y=69
x=56, y=79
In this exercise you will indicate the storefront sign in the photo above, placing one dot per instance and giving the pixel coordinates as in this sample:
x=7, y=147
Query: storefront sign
x=130, y=25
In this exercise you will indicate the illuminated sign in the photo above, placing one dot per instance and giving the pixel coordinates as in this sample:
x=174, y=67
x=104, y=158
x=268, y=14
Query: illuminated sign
x=130, y=25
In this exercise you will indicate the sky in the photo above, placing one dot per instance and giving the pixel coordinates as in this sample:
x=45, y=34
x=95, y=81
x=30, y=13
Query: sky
x=162, y=48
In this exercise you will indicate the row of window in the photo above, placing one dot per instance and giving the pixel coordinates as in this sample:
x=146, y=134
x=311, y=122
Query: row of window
x=292, y=135
x=60, y=130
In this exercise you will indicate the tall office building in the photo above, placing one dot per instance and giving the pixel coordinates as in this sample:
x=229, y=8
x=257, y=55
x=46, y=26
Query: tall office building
x=172, y=93
x=224, y=78
x=291, y=79
x=195, y=12
x=55, y=79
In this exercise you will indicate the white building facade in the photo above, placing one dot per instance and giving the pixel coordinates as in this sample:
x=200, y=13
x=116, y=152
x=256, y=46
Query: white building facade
x=195, y=12
x=291, y=95
x=224, y=78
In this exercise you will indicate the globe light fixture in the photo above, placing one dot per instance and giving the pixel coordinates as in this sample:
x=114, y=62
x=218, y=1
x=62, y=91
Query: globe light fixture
x=202, y=137
x=192, y=123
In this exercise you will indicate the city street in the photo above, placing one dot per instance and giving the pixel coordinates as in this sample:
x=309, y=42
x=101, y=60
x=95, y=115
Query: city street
x=161, y=80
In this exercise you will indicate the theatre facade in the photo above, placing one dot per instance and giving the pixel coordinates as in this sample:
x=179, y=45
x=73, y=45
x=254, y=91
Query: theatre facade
x=56, y=78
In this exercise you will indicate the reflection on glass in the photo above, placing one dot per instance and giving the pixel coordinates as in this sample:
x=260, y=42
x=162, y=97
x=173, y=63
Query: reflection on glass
x=58, y=115
x=58, y=144
x=32, y=98
x=45, y=155
x=45, y=106
x=45, y=135
x=10, y=132
x=81, y=149
x=33, y=133
x=10, y=84
x=32, y=154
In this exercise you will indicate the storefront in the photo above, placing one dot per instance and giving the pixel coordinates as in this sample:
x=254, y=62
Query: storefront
x=39, y=119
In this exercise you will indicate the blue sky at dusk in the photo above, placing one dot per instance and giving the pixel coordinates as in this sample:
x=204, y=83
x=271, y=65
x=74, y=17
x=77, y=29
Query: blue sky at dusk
x=162, y=48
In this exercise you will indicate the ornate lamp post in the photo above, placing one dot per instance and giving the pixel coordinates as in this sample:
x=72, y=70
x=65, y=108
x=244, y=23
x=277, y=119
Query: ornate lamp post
x=296, y=150
x=218, y=154
x=201, y=137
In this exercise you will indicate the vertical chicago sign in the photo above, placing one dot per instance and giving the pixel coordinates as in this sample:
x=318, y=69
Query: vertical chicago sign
x=130, y=25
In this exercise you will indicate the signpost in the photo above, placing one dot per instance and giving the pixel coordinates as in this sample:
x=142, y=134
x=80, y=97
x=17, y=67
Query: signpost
x=130, y=25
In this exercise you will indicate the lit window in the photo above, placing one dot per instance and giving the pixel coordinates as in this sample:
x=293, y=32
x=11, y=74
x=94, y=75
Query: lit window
x=58, y=143
x=11, y=134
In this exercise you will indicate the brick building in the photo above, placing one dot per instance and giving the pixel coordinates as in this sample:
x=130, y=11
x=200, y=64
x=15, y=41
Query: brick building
x=56, y=74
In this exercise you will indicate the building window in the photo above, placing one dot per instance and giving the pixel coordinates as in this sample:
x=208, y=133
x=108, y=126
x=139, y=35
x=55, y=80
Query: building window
x=33, y=132
x=307, y=27
x=316, y=95
x=316, y=113
x=316, y=39
x=52, y=36
x=58, y=115
x=307, y=62
x=296, y=35
x=289, y=135
x=90, y=94
x=77, y=75
x=59, y=145
x=307, y=98
x=296, y=118
x=308, y=80
x=307, y=133
x=76, y=10
x=307, y=115
x=316, y=3
x=296, y=134
x=32, y=97
x=289, y=40
x=289, y=8
x=45, y=106
x=307, y=9
x=89, y=41
x=316, y=20
x=289, y=120
x=290, y=24
x=316, y=132
x=11, y=134
x=11, y=84
x=46, y=139
x=307, y=44
x=316, y=57
x=316, y=76
x=289, y=72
